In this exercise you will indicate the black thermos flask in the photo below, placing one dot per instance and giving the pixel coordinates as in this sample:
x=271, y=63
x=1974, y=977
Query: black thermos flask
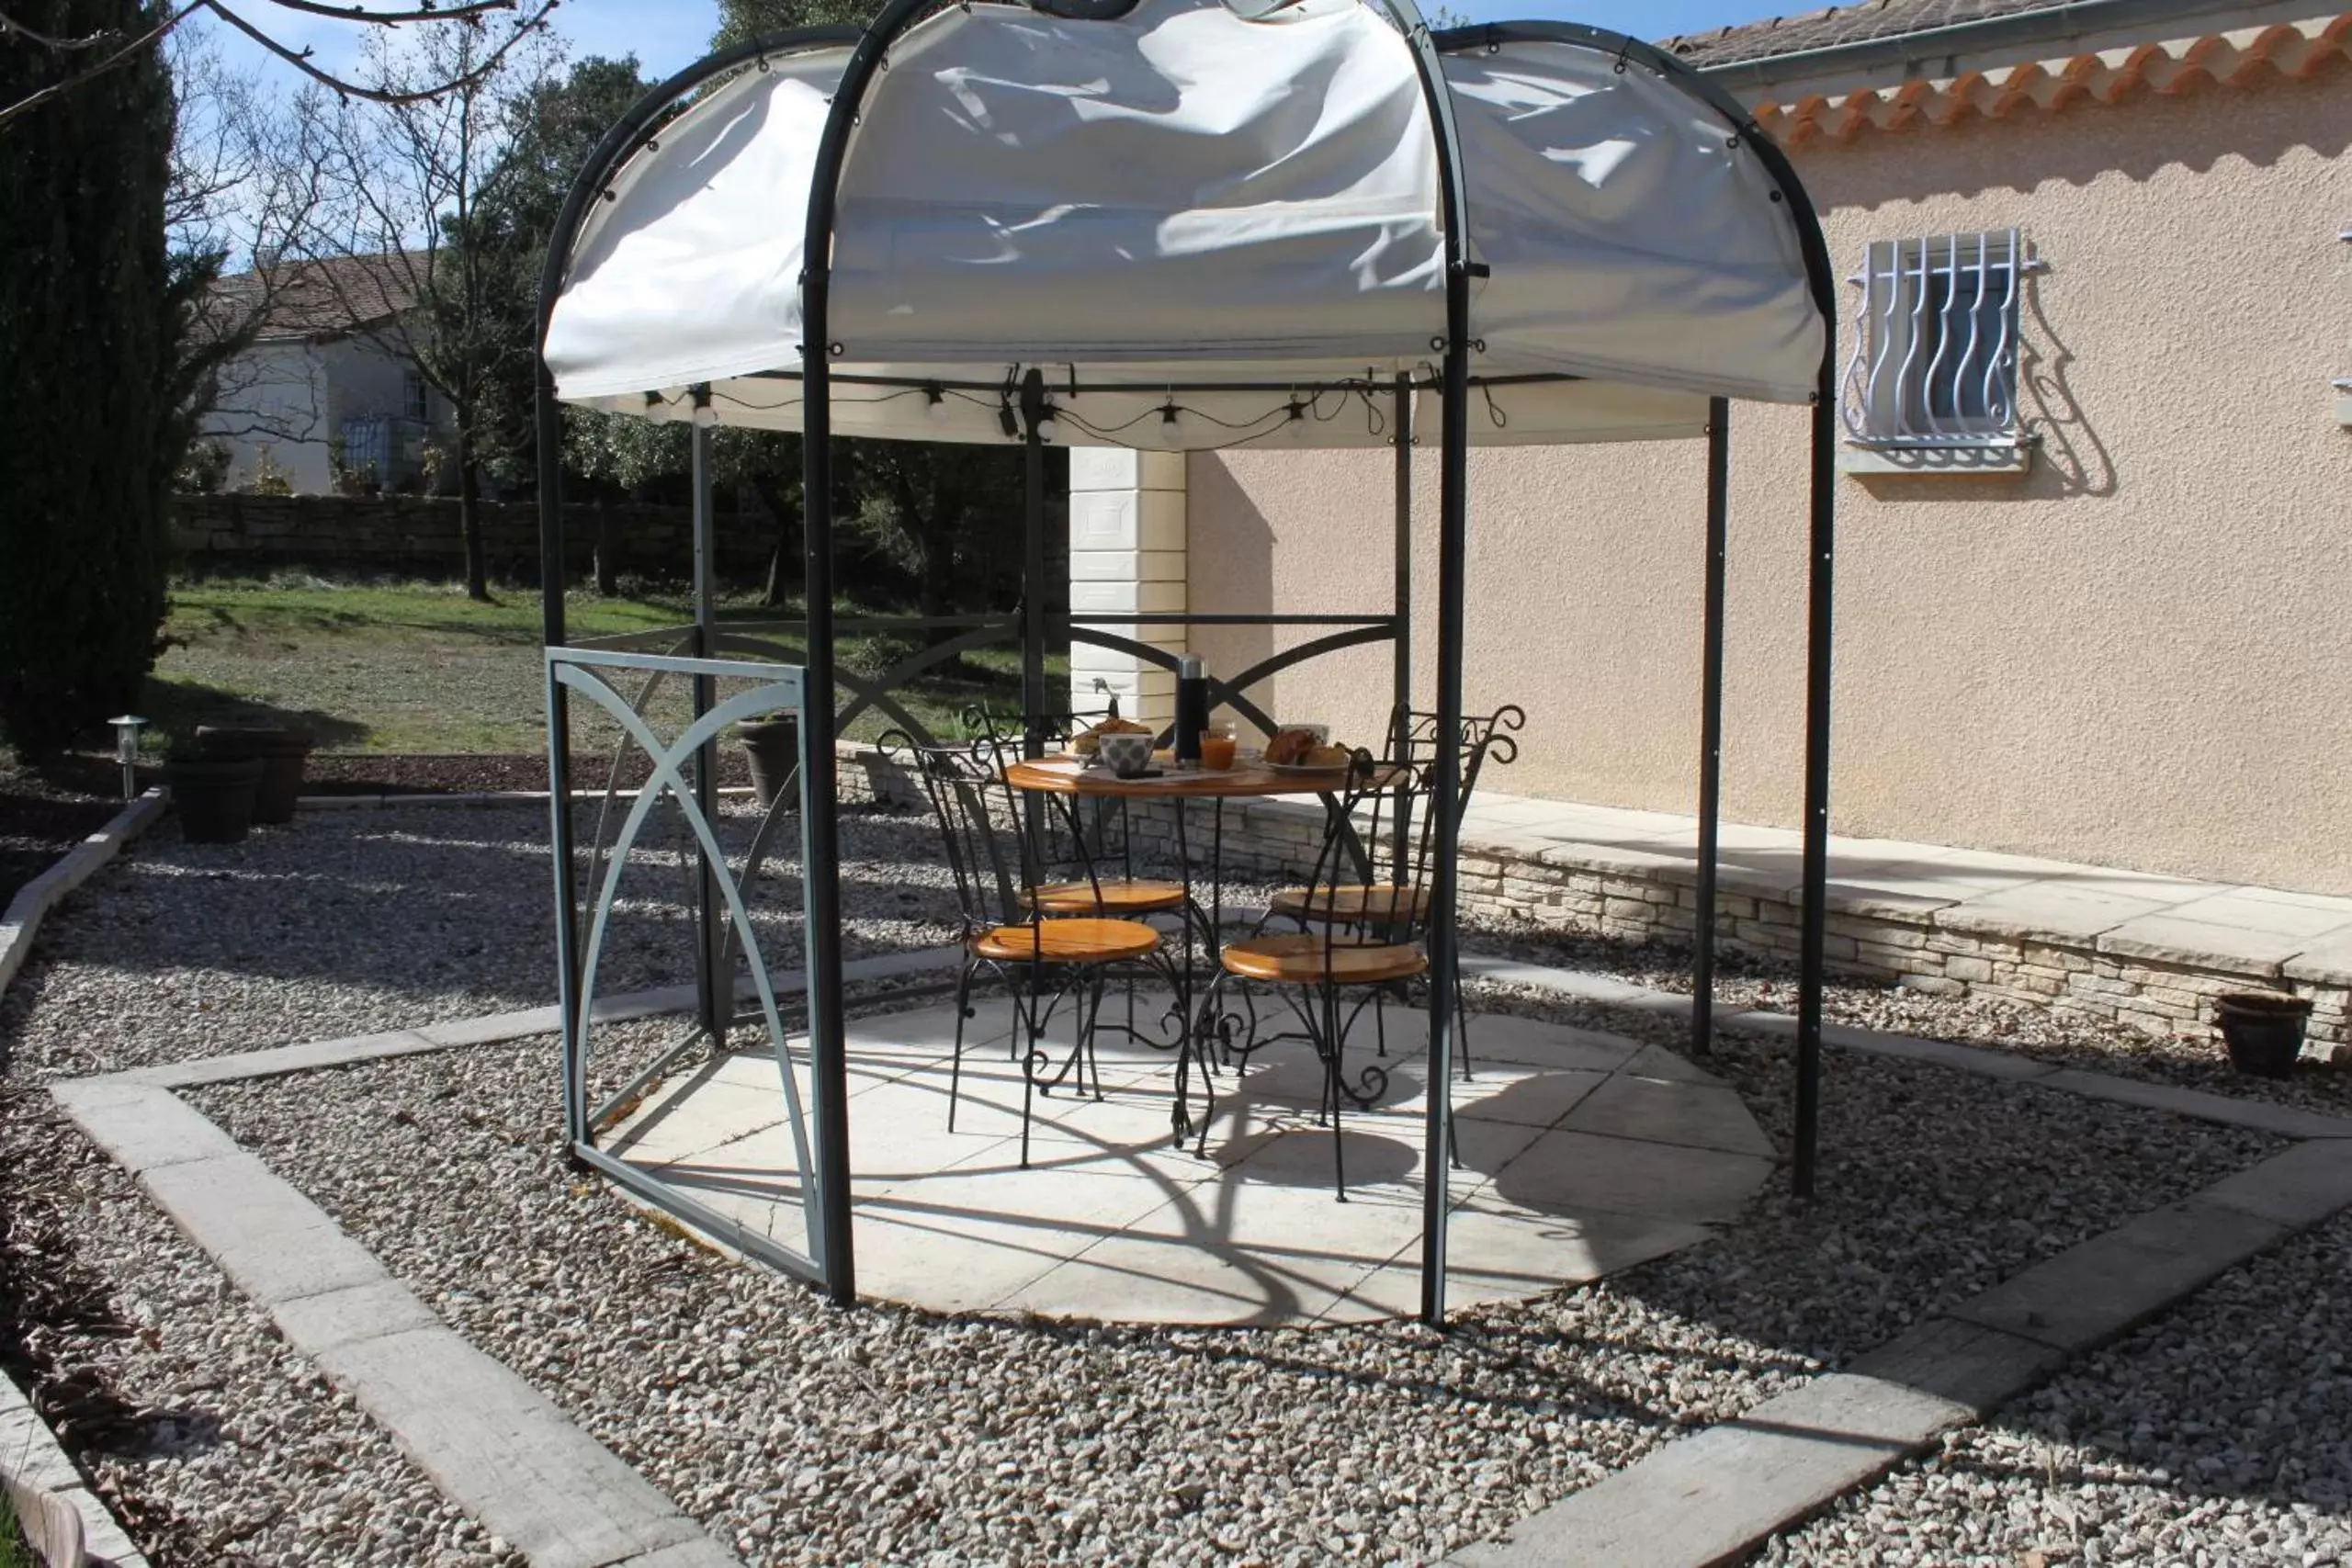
x=1192, y=710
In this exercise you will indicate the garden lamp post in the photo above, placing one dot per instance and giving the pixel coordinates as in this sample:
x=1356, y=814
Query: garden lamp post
x=126, y=750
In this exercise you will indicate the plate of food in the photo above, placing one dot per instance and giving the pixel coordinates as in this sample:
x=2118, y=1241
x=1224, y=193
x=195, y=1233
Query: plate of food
x=1302, y=748
x=1087, y=742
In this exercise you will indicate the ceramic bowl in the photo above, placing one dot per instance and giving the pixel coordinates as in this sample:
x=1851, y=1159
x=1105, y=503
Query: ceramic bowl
x=1126, y=755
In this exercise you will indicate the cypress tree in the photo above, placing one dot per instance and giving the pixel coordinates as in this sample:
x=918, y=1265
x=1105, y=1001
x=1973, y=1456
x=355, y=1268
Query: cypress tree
x=92, y=315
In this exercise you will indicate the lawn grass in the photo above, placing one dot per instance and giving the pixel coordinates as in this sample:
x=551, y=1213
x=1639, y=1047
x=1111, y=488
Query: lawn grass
x=421, y=668
x=14, y=1551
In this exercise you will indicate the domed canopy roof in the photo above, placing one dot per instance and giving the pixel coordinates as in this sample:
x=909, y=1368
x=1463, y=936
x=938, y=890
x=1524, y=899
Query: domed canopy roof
x=1200, y=224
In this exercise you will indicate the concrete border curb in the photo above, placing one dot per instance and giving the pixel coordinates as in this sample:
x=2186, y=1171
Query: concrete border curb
x=39, y=895
x=489, y=1440
x=1711, y=1497
x=32, y=1462
x=493, y=1444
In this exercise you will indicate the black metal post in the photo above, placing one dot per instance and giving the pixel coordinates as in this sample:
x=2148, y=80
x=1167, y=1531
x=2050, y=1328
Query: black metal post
x=1812, y=950
x=1710, y=724
x=1401, y=600
x=547, y=421
x=1453, y=482
x=1035, y=410
x=714, y=998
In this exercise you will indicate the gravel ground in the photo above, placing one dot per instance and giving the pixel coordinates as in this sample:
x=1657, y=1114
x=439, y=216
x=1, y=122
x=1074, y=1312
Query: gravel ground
x=2191, y=1061
x=2219, y=1434
x=800, y=1434
x=214, y=1443
x=348, y=923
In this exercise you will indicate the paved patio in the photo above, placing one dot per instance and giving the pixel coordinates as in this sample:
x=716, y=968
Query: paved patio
x=1583, y=1152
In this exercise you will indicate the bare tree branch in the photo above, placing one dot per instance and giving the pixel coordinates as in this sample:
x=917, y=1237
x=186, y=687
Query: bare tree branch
x=301, y=58
x=10, y=27
x=466, y=12
x=171, y=19
x=394, y=18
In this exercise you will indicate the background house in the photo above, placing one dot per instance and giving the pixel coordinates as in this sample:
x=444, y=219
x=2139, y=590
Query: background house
x=325, y=390
x=2096, y=484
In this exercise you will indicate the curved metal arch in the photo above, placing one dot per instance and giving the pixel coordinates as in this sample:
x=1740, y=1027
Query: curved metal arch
x=1691, y=81
x=1822, y=532
x=626, y=136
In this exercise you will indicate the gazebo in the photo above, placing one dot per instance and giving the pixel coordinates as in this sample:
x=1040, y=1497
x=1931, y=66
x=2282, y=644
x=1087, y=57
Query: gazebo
x=1171, y=225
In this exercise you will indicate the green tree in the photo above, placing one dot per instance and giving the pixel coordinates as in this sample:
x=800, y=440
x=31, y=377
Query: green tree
x=93, y=318
x=741, y=19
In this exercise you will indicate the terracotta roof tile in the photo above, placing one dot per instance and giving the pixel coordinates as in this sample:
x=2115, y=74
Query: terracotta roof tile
x=1839, y=25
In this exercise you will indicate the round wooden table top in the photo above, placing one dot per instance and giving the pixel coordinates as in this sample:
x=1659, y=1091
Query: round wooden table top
x=1072, y=775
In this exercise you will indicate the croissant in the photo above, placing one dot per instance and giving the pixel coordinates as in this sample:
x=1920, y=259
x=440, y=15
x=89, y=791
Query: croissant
x=1288, y=748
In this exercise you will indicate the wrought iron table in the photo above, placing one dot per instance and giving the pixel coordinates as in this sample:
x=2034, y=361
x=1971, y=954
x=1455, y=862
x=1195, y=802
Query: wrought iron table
x=1079, y=776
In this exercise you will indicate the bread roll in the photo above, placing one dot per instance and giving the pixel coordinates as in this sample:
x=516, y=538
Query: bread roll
x=1287, y=747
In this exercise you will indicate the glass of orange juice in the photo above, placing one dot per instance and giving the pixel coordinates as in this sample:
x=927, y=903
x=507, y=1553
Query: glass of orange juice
x=1217, y=746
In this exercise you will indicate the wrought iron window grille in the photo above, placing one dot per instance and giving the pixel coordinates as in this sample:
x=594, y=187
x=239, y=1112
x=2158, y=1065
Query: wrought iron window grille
x=1936, y=350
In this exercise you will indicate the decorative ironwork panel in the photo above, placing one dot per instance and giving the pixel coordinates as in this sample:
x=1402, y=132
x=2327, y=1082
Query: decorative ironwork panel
x=1935, y=360
x=741, y=690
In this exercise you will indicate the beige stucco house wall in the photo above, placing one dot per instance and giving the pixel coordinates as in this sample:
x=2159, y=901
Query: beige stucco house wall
x=2138, y=653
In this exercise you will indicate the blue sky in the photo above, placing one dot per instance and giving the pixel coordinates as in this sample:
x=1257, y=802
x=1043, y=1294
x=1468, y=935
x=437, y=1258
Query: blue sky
x=667, y=34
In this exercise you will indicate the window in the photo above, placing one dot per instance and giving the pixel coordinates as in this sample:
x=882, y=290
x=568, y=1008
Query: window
x=1936, y=352
x=413, y=402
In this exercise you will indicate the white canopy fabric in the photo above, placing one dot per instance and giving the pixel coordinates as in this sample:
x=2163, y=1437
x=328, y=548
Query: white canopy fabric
x=1180, y=198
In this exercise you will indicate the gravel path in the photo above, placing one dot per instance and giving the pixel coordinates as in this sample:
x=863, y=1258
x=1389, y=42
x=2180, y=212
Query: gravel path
x=2219, y=1434
x=801, y=1434
x=214, y=1443
x=2191, y=1061
x=342, y=924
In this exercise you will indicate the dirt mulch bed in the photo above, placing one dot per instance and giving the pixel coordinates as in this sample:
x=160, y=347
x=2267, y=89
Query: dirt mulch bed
x=41, y=817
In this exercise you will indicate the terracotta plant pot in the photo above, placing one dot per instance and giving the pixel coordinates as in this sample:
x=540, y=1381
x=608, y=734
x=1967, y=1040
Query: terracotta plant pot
x=773, y=746
x=215, y=796
x=280, y=753
x=2263, y=1033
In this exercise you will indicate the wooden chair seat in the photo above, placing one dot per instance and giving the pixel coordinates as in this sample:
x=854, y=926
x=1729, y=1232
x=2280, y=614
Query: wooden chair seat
x=1119, y=895
x=1374, y=904
x=1299, y=959
x=1068, y=941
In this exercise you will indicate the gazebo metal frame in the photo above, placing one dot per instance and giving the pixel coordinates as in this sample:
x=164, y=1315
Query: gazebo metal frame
x=833, y=1265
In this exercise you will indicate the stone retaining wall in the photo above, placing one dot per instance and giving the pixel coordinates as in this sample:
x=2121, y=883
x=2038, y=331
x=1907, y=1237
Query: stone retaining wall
x=1641, y=896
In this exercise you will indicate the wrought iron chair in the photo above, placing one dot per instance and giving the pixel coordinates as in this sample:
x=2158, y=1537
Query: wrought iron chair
x=1083, y=852
x=1311, y=969
x=1008, y=927
x=1396, y=908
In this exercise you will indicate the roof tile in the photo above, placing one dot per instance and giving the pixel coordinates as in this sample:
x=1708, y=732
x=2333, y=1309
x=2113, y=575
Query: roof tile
x=1839, y=25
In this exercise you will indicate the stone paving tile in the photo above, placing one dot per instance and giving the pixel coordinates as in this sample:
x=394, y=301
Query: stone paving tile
x=2047, y=911
x=1112, y=1220
x=2326, y=961
x=2169, y=939
x=1702, y=1116
x=2304, y=921
x=1623, y=1176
